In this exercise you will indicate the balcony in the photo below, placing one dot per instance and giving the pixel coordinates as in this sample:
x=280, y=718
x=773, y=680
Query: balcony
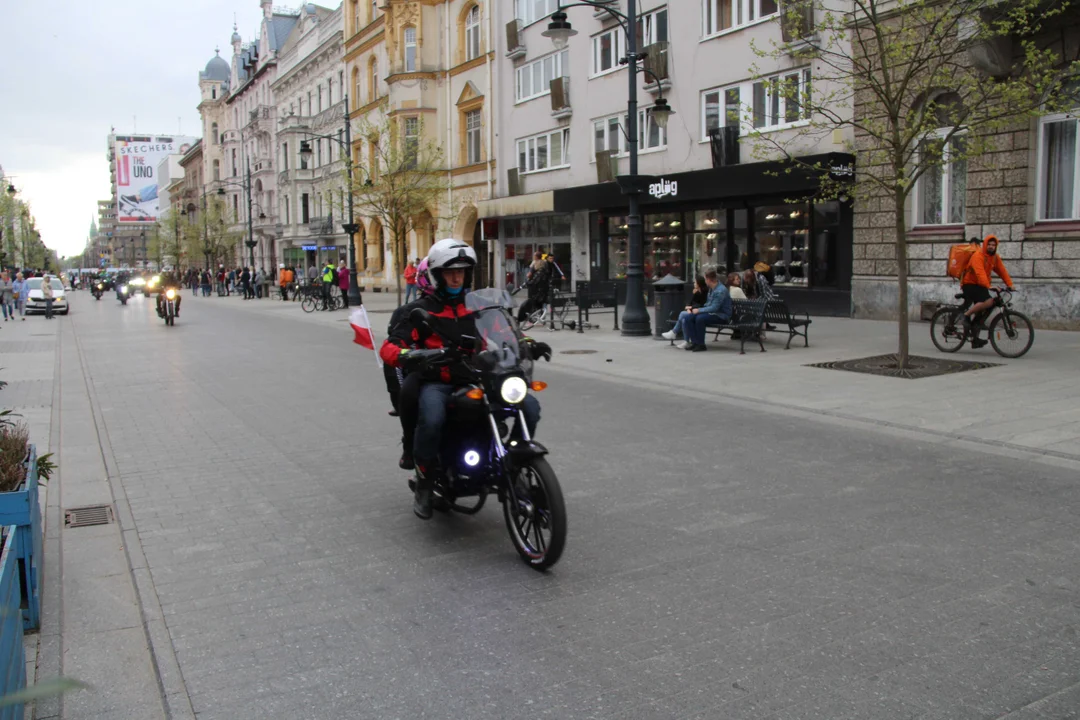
x=259, y=120
x=321, y=226
x=421, y=68
x=514, y=43
x=560, y=98
x=657, y=75
x=725, y=146
x=797, y=25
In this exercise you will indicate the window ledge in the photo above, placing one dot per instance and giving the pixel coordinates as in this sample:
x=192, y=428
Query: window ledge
x=532, y=97
x=537, y=172
x=777, y=128
x=1054, y=227
x=605, y=73
x=950, y=230
x=737, y=28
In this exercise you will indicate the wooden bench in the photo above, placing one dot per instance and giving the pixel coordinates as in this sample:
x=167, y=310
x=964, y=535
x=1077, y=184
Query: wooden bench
x=777, y=313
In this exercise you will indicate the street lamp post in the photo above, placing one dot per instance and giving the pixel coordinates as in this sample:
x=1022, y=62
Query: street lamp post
x=245, y=185
x=635, y=317
x=351, y=227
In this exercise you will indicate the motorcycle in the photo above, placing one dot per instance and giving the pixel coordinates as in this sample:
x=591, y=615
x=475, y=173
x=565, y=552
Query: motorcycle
x=98, y=290
x=124, y=293
x=168, y=307
x=480, y=455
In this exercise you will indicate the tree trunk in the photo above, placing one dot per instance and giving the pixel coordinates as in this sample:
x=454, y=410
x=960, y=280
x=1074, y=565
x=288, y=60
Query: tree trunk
x=398, y=243
x=902, y=278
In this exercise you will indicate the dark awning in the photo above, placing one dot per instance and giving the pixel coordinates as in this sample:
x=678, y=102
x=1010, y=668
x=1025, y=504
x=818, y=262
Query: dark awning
x=772, y=178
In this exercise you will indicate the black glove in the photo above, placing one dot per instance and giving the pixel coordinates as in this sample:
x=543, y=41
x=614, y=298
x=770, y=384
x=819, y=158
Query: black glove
x=539, y=350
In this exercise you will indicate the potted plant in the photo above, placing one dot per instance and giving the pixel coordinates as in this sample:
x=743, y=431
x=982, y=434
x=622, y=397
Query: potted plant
x=20, y=471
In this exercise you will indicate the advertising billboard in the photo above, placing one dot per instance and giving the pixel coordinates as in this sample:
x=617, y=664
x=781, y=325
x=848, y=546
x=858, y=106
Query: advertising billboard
x=137, y=159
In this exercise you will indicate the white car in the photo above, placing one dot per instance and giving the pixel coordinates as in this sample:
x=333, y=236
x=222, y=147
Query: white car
x=35, y=300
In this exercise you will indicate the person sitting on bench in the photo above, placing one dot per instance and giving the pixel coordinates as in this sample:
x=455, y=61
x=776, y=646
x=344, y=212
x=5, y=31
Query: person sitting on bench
x=715, y=311
x=701, y=293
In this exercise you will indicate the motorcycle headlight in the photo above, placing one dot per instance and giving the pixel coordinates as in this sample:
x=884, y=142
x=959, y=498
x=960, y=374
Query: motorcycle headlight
x=513, y=390
x=100, y=287
x=170, y=293
x=123, y=288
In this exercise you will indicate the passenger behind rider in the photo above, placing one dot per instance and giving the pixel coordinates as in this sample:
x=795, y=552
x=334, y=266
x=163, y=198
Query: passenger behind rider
x=450, y=270
x=167, y=281
x=397, y=384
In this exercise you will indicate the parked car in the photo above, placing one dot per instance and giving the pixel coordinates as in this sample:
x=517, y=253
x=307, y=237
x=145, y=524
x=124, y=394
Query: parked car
x=35, y=300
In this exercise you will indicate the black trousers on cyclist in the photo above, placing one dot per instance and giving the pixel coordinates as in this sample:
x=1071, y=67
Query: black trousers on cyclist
x=408, y=406
x=527, y=308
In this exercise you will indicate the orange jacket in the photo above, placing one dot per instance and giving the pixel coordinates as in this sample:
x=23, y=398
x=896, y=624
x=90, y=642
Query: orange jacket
x=980, y=267
x=285, y=277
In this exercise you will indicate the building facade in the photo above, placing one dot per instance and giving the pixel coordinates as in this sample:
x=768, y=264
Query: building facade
x=427, y=69
x=562, y=117
x=1023, y=190
x=309, y=92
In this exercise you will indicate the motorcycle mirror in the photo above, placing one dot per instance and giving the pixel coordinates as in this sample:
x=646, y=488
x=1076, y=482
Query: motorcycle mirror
x=421, y=320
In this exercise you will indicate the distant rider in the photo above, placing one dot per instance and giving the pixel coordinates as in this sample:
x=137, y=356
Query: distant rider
x=168, y=280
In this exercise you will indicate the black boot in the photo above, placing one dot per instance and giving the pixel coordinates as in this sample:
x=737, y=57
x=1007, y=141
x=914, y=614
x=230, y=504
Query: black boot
x=406, y=462
x=425, y=481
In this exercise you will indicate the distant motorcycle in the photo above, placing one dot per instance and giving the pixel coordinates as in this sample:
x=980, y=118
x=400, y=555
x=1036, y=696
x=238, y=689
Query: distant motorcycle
x=98, y=290
x=168, y=307
x=124, y=293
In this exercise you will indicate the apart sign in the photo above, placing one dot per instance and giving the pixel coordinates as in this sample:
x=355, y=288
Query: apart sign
x=663, y=188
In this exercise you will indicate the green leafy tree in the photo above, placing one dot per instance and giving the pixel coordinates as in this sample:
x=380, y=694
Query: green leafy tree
x=899, y=76
x=170, y=240
x=407, y=178
x=212, y=239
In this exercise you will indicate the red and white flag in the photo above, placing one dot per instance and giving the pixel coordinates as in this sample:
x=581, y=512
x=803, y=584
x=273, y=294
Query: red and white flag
x=363, y=335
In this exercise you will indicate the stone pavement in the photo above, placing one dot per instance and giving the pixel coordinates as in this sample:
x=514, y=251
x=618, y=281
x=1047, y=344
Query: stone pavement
x=727, y=559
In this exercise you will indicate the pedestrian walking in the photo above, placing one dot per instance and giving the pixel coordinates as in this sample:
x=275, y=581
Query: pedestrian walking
x=18, y=294
x=47, y=295
x=7, y=287
x=284, y=278
x=410, y=280
x=245, y=282
x=205, y=282
x=230, y=282
x=343, y=283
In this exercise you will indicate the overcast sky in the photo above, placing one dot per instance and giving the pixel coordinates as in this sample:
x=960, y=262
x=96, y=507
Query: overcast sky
x=73, y=70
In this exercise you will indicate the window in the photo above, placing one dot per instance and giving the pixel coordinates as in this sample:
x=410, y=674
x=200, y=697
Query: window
x=356, y=17
x=214, y=133
x=472, y=33
x=1057, y=168
x=720, y=104
x=236, y=208
x=329, y=91
x=356, y=86
x=285, y=205
x=472, y=137
x=320, y=98
x=534, y=79
x=410, y=49
x=217, y=170
x=609, y=133
x=720, y=15
x=529, y=11
x=373, y=79
x=318, y=152
x=652, y=28
x=305, y=216
x=234, y=163
x=606, y=51
x=941, y=194
x=544, y=152
x=303, y=162
x=412, y=142
x=778, y=101
x=374, y=9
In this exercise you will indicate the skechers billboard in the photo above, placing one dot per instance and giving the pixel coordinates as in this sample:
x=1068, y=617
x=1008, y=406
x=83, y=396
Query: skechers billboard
x=137, y=159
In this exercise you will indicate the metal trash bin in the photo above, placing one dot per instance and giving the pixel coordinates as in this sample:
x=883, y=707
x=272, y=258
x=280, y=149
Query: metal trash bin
x=670, y=301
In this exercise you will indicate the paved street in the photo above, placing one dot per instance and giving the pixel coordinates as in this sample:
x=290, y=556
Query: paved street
x=725, y=560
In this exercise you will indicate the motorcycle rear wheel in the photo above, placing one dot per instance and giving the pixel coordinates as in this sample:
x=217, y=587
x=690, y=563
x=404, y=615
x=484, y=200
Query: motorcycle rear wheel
x=536, y=508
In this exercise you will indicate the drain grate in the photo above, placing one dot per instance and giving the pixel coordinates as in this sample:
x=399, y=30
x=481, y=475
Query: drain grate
x=88, y=515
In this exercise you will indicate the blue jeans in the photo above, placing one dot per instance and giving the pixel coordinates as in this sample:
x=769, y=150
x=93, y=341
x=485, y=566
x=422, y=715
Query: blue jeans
x=9, y=309
x=701, y=321
x=410, y=290
x=683, y=326
x=432, y=417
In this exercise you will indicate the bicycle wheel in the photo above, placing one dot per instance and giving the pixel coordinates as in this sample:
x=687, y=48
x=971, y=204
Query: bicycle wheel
x=339, y=302
x=307, y=304
x=947, y=329
x=1011, y=334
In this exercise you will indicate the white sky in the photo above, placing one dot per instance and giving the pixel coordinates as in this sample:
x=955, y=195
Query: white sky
x=74, y=69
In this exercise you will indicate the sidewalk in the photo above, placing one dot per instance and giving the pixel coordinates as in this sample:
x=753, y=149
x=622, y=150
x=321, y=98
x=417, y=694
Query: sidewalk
x=93, y=628
x=1029, y=406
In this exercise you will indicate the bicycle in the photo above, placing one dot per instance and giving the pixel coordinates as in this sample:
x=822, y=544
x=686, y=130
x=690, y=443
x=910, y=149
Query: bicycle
x=317, y=301
x=1011, y=332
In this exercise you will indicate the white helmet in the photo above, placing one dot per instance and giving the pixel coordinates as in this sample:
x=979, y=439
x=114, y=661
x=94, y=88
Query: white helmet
x=447, y=254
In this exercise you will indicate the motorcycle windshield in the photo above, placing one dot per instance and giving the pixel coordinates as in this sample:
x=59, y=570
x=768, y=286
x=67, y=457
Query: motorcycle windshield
x=499, y=338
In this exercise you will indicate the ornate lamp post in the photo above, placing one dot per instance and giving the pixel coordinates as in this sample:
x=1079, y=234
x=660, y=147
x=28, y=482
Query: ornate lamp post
x=636, y=317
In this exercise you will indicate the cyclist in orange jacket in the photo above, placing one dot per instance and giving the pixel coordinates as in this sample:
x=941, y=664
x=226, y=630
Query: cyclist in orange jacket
x=975, y=284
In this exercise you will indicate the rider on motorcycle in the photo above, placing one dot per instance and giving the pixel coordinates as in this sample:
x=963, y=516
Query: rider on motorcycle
x=167, y=281
x=450, y=271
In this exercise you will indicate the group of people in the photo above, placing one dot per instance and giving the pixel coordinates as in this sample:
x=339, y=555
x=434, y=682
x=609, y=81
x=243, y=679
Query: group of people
x=13, y=293
x=710, y=303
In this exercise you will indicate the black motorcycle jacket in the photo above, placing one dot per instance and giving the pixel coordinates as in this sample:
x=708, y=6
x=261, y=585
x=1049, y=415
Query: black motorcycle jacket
x=450, y=320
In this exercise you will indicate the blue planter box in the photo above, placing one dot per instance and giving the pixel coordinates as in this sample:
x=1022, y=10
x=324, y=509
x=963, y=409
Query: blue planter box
x=20, y=508
x=12, y=655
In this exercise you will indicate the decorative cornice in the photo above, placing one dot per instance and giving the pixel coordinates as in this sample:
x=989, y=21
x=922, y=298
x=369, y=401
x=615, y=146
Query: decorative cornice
x=366, y=45
x=369, y=28
x=398, y=77
x=474, y=63
x=361, y=111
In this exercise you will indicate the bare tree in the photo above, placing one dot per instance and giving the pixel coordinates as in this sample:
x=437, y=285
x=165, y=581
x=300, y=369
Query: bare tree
x=406, y=178
x=920, y=84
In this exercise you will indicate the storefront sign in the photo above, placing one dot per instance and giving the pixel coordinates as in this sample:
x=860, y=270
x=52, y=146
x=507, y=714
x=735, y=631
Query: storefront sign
x=309, y=247
x=329, y=247
x=663, y=188
x=839, y=172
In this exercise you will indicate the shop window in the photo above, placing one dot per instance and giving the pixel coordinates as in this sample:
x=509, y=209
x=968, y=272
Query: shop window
x=607, y=48
x=826, y=229
x=781, y=239
x=720, y=15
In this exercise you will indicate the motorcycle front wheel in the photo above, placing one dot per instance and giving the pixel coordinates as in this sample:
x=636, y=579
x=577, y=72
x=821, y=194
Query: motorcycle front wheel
x=535, y=514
